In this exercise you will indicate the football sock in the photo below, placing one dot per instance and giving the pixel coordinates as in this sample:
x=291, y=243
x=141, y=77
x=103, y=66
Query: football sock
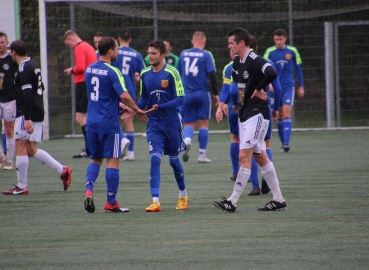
x=3, y=137
x=202, y=153
x=203, y=138
x=155, y=161
x=269, y=154
x=287, y=127
x=48, y=160
x=270, y=176
x=280, y=130
x=121, y=134
x=10, y=147
x=182, y=193
x=178, y=172
x=112, y=183
x=1, y=151
x=234, y=151
x=22, y=170
x=84, y=136
x=188, y=133
x=92, y=172
x=131, y=137
x=240, y=184
x=155, y=199
x=254, y=174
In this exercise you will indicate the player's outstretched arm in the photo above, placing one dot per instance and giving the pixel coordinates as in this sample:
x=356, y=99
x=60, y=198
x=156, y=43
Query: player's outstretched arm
x=128, y=101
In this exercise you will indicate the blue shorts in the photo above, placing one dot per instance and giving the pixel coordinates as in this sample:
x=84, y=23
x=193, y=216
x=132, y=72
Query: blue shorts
x=165, y=136
x=287, y=96
x=197, y=105
x=103, y=145
x=232, y=121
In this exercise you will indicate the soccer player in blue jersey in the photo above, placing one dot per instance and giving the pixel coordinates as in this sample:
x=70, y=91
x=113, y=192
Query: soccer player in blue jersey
x=162, y=92
x=196, y=66
x=228, y=84
x=129, y=62
x=285, y=59
x=105, y=88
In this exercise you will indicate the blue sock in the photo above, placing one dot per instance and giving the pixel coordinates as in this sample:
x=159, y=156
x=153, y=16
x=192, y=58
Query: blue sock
x=287, y=127
x=3, y=136
x=178, y=172
x=203, y=138
x=112, y=183
x=131, y=138
x=234, y=151
x=254, y=174
x=155, y=161
x=188, y=132
x=92, y=173
x=121, y=134
x=269, y=154
x=280, y=130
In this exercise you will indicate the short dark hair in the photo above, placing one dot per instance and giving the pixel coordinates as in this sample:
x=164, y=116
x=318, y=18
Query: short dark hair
x=240, y=34
x=157, y=44
x=105, y=44
x=125, y=34
x=99, y=34
x=19, y=46
x=279, y=32
x=169, y=41
x=253, y=42
x=2, y=34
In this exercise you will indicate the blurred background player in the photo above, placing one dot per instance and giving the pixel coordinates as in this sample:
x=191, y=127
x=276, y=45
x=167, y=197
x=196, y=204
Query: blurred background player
x=105, y=87
x=162, y=92
x=84, y=55
x=8, y=109
x=285, y=59
x=97, y=37
x=170, y=58
x=28, y=124
x=129, y=62
x=196, y=66
x=228, y=84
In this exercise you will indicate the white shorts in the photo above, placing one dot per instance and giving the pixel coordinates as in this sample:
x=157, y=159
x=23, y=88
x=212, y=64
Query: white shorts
x=21, y=133
x=252, y=133
x=8, y=110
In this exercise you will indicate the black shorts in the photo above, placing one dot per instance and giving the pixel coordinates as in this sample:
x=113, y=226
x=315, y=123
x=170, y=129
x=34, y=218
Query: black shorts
x=81, y=98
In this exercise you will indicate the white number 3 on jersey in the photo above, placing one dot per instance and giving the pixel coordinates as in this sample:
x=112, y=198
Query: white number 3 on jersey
x=95, y=94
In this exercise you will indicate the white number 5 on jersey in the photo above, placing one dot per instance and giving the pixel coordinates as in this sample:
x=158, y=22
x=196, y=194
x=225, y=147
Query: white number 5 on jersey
x=95, y=94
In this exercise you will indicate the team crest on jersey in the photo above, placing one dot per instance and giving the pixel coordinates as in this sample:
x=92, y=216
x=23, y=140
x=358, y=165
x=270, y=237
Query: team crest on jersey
x=245, y=74
x=288, y=56
x=164, y=83
x=5, y=66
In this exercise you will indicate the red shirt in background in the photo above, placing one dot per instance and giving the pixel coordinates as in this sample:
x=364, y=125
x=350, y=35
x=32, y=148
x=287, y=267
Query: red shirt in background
x=84, y=55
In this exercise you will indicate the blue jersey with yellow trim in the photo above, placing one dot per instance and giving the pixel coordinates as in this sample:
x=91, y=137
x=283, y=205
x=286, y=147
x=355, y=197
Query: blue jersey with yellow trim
x=104, y=84
x=194, y=66
x=285, y=60
x=161, y=88
x=129, y=62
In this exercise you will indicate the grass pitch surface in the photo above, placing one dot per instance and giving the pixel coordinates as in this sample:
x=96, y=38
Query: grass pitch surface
x=324, y=179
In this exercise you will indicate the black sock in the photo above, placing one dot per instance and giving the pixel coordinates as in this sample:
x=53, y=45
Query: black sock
x=84, y=136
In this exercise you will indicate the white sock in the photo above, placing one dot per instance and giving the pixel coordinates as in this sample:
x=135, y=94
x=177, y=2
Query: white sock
x=48, y=160
x=182, y=193
x=187, y=140
x=22, y=170
x=10, y=146
x=1, y=150
x=270, y=176
x=202, y=153
x=155, y=199
x=240, y=184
